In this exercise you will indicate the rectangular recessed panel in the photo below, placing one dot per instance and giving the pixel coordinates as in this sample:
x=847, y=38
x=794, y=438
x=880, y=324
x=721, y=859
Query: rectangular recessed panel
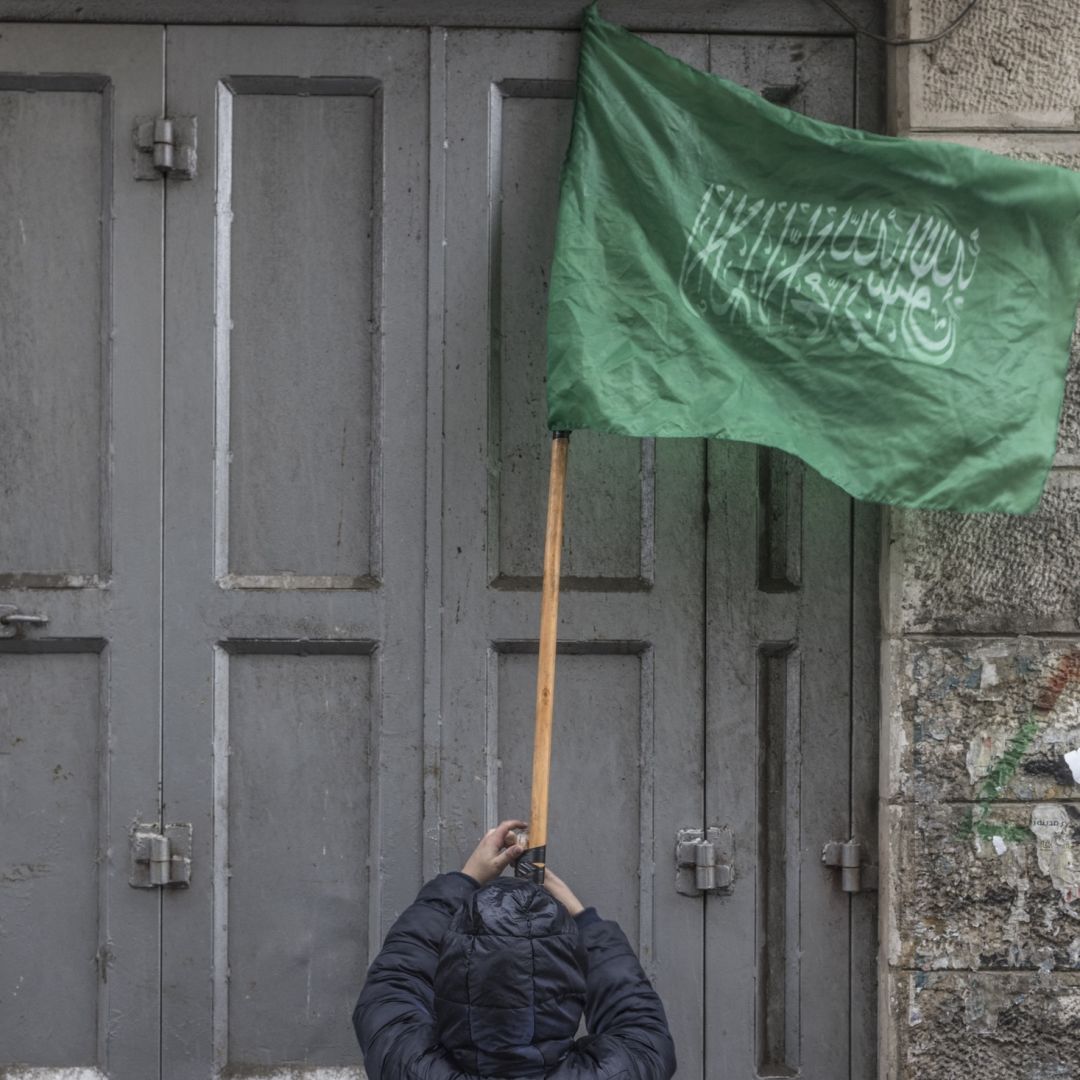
x=49, y=857
x=54, y=199
x=304, y=168
x=300, y=743
x=778, y=861
x=595, y=837
x=780, y=519
x=606, y=504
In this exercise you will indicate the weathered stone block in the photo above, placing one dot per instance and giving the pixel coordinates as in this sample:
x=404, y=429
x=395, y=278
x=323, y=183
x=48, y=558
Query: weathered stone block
x=989, y=572
x=1003, y=66
x=994, y=887
x=1069, y=424
x=988, y=720
x=1062, y=149
x=1018, y=1026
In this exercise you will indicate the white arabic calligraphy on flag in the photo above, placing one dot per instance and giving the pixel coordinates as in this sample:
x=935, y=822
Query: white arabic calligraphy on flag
x=873, y=278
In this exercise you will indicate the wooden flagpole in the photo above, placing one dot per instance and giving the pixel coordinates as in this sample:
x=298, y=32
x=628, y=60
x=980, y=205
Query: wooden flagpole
x=532, y=862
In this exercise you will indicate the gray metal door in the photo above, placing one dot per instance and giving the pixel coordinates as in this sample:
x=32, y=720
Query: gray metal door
x=80, y=475
x=791, y=766
x=294, y=534
x=791, y=761
x=275, y=473
x=716, y=647
x=628, y=754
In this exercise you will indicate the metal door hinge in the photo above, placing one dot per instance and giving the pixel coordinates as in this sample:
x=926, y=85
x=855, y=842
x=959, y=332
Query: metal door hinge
x=704, y=861
x=165, y=146
x=848, y=857
x=160, y=856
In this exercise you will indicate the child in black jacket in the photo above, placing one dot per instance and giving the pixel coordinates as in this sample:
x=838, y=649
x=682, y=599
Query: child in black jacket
x=487, y=976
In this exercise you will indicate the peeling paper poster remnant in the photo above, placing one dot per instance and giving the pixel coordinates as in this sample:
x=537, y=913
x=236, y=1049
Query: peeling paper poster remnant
x=982, y=753
x=1072, y=759
x=988, y=675
x=1052, y=827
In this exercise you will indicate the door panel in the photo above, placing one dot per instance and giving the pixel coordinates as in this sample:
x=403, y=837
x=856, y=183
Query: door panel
x=320, y=762
x=80, y=345
x=55, y=252
x=779, y=759
x=531, y=126
x=599, y=761
x=311, y=370
x=50, y=704
x=629, y=703
x=294, y=535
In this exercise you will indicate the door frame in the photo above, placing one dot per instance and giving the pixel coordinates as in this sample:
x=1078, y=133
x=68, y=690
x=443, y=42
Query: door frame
x=738, y=16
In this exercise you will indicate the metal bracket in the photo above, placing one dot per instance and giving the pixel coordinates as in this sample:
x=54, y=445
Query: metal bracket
x=704, y=861
x=165, y=146
x=12, y=620
x=781, y=95
x=847, y=857
x=160, y=856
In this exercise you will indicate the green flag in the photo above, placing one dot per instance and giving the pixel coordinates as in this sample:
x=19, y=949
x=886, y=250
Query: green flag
x=896, y=313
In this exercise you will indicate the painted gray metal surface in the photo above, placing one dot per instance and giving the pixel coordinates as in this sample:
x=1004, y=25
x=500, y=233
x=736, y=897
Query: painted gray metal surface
x=297, y=870
x=54, y=252
x=293, y=713
x=866, y=540
x=777, y=772
x=306, y=158
x=354, y=471
x=782, y=618
x=628, y=701
x=80, y=348
x=776, y=698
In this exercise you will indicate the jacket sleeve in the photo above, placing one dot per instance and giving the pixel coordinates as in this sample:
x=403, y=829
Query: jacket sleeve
x=622, y=1006
x=395, y=1013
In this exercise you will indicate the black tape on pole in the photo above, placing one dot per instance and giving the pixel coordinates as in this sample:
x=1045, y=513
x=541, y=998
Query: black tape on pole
x=530, y=865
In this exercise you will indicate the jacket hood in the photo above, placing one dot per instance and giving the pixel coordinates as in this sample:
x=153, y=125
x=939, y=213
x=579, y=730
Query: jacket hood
x=510, y=981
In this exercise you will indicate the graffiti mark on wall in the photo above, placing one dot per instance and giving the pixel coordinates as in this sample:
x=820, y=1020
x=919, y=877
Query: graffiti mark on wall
x=979, y=821
x=1068, y=668
x=997, y=779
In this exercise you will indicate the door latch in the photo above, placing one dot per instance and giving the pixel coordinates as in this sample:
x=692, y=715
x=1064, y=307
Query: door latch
x=847, y=857
x=165, y=146
x=160, y=856
x=704, y=861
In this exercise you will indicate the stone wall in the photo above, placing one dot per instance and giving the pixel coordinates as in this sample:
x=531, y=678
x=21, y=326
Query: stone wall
x=981, y=778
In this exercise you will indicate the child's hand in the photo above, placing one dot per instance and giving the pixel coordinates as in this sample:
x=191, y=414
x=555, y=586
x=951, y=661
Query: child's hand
x=561, y=891
x=492, y=854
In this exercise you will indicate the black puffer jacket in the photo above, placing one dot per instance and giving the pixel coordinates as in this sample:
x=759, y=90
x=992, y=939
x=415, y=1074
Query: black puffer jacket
x=491, y=982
